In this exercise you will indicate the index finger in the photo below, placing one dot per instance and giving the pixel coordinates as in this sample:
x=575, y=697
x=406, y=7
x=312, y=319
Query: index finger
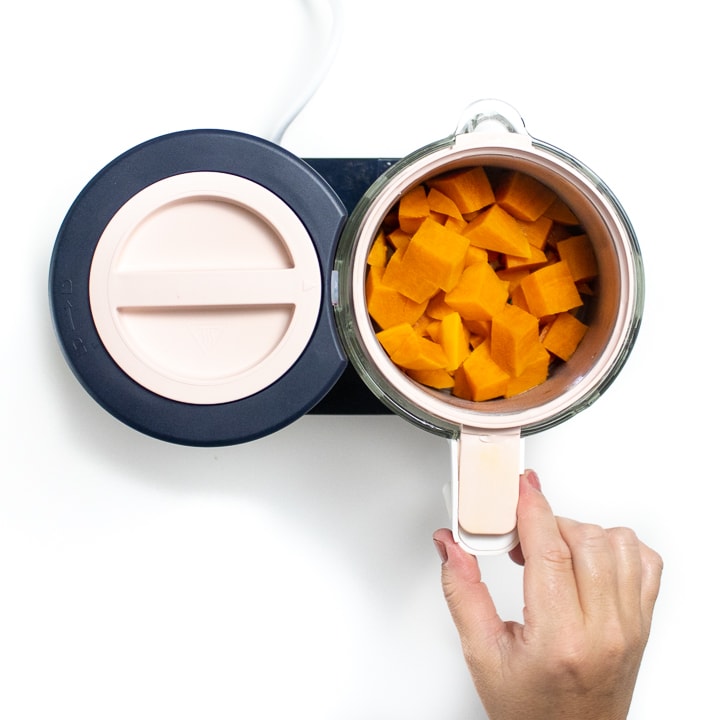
x=551, y=596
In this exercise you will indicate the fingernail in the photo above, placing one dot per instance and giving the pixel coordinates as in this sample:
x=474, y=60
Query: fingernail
x=442, y=550
x=533, y=479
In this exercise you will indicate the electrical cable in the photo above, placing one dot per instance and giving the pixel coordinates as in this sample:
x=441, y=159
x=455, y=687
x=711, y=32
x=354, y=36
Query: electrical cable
x=316, y=80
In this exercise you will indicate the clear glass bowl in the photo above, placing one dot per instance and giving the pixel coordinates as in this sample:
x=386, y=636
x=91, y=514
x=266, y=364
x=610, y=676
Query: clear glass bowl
x=492, y=134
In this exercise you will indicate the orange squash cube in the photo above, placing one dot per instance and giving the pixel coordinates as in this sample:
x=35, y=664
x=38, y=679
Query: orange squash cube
x=437, y=308
x=550, y=290
x=562, y=336
x=495, y=229
x=411, y=351
x=524, y=197
x=577, y=251
x=536, y=259
x=399, y=239
x=560, y=212
x=454, y=340
x=485, y=378
x=437, y=254
x=388, y=307
x=535, y=373
x=441, y=203
x=475, y=254
x=468, y=188
x=377, y=257
x=513, y=339
x=413, y=209
x=537, y=232
x=439, y=379
x=461, y=388
x=405, y=280
x=479, y=294
x=458, y=225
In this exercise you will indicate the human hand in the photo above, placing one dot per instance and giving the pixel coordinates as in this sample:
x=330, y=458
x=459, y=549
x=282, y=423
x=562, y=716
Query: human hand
x=589, y=596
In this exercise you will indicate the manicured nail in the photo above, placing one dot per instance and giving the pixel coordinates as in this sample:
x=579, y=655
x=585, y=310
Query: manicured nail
x=442, y=550
x=533, y=479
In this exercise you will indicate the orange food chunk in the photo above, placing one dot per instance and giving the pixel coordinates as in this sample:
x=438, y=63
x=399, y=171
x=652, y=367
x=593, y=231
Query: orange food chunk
x=437, y=308
x=388, y=307
x=413, y=209
x=562, y=336
x=524, y=197
x=536, y=258
x=436, y=253
x=475, y=254
x=441, y=203
x=469, y=189
x=479, y=294
x=399, y=239
x=439, y=379
x=485, y=379
x=513, y=276
x=461, y=388
x=538, y=231
x=377, y=257
x=577, y=251
x=454, y=340
x=471, y=290
x=517, y=296
x=550, y=290
x=456, y=224
x=495, y=229
x=536, y=373
x=411, y=351
x=393, y=338
x=561, y=213
x=514, y=339
x=402, y=277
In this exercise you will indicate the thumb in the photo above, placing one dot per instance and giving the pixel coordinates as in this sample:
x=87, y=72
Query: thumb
x=468, y=598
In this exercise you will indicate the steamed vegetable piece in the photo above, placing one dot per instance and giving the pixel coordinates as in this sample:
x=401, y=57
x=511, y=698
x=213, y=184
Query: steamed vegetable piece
x=476, y=280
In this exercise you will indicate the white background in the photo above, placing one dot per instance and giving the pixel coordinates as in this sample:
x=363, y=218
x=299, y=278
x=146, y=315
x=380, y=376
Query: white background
x=296, y=576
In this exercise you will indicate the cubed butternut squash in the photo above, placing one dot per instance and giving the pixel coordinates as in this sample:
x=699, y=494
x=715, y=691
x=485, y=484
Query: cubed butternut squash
x=437, y=308
x=469, y=188
x=413, y=209
x=486, y=380
x=524, y=197
x=475, y=254
x=513, y=339
x=550, y=290
x=577, y=251
x=560, y=212
x=438, y=379
x=436, y=253
x=479, y=294
x=454, y=340
x=471, y=290
x=411, y=351
x=377, y=257
x=388, y=307
x=403, y=278
x=441, y=203
x=538, y=231
x=535, y=373
x=495, y=229
x=536, y=259
x=563, y=334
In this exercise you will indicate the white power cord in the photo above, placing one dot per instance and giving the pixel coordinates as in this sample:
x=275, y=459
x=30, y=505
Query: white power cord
x=333, y=43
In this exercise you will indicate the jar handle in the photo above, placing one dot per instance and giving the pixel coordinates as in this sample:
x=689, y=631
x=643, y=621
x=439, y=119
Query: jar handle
x=485, y=488
x=490, y=115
